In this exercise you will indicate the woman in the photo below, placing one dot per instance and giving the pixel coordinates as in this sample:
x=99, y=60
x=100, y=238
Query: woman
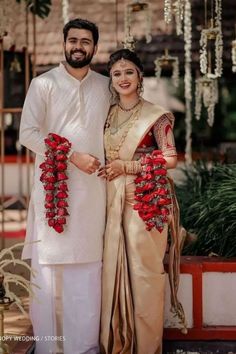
x=133, y=272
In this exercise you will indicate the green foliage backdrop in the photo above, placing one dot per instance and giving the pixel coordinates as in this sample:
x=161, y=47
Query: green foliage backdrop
x=207, y=201
x=40, y=8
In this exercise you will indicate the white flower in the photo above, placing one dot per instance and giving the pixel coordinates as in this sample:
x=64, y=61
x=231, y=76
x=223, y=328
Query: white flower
x=188, y=79
x=65, y=11
x=168, y=11
x=206, y=91
x=166, y=61
x=233, y=56
x=128, y=20
x=213, y=32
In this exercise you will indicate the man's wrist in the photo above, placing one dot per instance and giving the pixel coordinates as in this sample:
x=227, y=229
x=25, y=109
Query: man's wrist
x=70, y=155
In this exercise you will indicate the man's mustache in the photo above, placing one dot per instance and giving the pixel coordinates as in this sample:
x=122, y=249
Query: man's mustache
x=78, y=51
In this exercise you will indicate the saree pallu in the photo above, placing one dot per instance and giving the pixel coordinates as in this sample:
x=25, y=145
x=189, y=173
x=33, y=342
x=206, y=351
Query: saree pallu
x=133, y=281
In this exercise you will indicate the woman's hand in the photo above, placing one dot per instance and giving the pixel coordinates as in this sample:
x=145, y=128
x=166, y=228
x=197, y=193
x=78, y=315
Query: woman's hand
x=112, y=170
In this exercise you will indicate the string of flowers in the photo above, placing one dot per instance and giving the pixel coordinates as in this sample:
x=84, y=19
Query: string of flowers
x=152, y=192
x=188, y=79
x=206, y=91
x=233, y=52
x=179, y=15
x=65, y=11
x=168, y=11
x=54, y=179
x=167, y=60
x=148, y=27
x=129, y=42
x=129, y=11
x=213, y=32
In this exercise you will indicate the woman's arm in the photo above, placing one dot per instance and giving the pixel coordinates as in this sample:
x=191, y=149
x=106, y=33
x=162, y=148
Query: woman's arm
x=164, y=136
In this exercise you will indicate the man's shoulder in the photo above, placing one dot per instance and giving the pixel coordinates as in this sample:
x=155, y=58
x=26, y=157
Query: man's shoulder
x=100, y=78
x=46, y=79
x=47, y=75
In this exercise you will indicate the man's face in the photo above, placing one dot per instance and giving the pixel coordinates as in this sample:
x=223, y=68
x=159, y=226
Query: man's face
x=79, y=47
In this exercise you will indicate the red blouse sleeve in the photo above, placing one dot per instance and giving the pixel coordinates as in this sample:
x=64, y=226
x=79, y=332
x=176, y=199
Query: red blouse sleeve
x=163, y=133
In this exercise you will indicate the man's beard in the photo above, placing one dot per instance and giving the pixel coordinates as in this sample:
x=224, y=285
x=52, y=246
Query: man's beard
x=78, y=63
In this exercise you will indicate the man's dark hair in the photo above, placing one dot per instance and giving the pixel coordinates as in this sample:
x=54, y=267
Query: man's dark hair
x=81, y=24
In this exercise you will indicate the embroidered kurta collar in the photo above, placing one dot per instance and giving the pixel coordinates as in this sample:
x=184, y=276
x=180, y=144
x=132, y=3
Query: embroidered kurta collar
x=63, y=70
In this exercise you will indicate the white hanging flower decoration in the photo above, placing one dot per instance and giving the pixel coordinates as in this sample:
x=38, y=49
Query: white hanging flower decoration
x=179, y=15
x=214, y=32
x=188, y=79
x=168, y=11
x=234, y=56
x=130, y=9
x=65, y=11
x=129, y=42
x=176, y=10
x=168, y=61
x=206, y=92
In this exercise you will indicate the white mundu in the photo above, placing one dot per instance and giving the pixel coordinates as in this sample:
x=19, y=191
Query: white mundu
x=58, y=103
x=66, y=318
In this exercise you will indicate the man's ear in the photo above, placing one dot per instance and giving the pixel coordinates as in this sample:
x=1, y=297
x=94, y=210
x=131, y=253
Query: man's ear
x=95, y=49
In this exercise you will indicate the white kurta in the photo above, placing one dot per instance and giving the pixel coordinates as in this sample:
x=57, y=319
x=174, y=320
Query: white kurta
x=57, y=102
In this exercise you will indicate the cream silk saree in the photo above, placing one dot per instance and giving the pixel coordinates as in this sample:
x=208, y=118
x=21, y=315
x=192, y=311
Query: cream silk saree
x=133, y=281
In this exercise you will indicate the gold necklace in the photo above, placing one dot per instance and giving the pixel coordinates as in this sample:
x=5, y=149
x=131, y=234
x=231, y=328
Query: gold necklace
x=112, y=150
x=117, y=125
x=128, y=109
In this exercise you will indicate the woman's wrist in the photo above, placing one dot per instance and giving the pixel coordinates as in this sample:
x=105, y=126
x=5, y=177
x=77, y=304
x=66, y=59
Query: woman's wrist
x=132, y=167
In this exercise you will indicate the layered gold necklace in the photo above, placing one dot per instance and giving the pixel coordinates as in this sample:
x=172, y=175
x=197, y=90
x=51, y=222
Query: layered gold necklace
x=118, y=125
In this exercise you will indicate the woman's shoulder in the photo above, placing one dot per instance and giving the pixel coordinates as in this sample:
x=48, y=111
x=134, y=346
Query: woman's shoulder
x=155, y=108
x=112, y=108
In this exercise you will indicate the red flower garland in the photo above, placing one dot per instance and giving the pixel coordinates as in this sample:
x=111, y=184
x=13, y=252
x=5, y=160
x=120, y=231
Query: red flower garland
x=152, y=192
x=54, y=179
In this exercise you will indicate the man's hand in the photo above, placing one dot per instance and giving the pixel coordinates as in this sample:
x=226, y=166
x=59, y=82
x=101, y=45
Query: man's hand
x=85, y=162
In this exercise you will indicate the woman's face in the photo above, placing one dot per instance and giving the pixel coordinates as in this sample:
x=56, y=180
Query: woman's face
x=125, y=77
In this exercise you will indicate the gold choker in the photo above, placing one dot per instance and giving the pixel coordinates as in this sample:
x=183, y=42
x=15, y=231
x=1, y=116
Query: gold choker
x=128, y=109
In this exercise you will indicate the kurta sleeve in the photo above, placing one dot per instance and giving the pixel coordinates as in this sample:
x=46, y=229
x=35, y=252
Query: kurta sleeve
x=32, y=118
x=163, y=133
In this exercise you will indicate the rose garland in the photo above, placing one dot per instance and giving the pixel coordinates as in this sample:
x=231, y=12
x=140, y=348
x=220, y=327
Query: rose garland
x=152, y=192
x=54, y=179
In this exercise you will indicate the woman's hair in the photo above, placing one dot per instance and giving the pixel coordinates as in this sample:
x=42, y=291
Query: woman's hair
x=125, y=54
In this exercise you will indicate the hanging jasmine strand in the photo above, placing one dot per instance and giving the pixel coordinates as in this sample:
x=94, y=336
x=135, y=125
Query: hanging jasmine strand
x=65, y=11
x=168, y=61
x=188, y=79
x=234, y=56
x=168, y=11
x=214, y=32
x=130, y=9
x=206, y=92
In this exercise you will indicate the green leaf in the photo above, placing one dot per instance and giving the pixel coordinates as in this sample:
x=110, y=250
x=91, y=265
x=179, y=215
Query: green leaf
x=40, y=8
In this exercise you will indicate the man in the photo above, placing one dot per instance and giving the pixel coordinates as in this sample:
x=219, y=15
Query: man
x=72, y=101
